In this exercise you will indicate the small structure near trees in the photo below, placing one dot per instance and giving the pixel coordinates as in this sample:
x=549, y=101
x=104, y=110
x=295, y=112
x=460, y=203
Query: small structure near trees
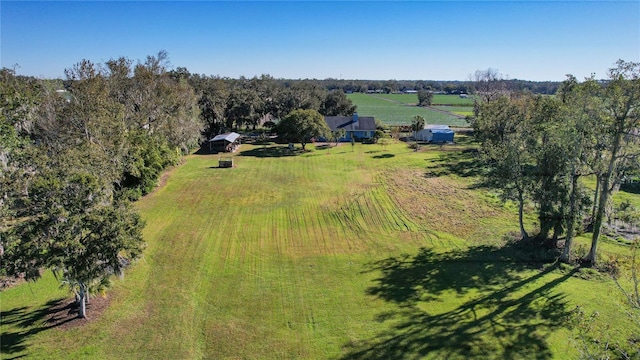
x=435, y=134
x=228, y=142
x=225, y=162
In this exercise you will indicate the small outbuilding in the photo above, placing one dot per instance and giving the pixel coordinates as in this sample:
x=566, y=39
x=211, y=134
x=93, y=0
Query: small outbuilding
x=228, y=142
x=435, y=134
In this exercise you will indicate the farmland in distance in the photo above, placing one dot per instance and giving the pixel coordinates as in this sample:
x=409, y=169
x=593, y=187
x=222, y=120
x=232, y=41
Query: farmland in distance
x=400, y=109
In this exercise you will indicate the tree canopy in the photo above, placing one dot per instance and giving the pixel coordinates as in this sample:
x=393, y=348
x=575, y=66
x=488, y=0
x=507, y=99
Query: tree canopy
x=538, y=147
x=302, y=126
x=71, y=160
x=336, y=103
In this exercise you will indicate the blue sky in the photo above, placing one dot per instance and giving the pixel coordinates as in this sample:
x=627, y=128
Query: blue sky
x=429, y=40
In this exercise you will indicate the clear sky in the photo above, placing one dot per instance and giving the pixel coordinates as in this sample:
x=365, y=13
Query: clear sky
x=427, y=40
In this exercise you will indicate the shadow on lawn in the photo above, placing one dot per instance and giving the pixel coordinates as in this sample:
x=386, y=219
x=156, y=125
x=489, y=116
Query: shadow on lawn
x=383, y=156
x=272, y=151
x=464, y=164
x=31, y=322
x=500, y=313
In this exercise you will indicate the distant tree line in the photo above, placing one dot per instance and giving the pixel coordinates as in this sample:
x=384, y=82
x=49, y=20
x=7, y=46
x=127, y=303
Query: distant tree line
x=443, y=86
x=537, y=150
x=226, y=104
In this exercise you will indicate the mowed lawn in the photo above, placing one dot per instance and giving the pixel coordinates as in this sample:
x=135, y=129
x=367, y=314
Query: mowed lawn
x=342, y=253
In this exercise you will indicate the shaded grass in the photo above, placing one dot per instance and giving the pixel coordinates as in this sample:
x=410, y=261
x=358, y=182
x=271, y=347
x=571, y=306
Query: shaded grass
x=438, y=99
x=341, y=253
x=476, y=302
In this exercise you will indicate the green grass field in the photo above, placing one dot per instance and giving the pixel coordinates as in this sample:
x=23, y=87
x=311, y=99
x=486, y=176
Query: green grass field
x=348, y=252
x=438, y=99
x=400, y=109
x=460, y=110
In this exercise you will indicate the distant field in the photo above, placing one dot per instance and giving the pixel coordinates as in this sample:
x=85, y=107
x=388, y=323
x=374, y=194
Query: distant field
x=409, y=99
x=439, y=99
x=400, y=109
x=460, y=110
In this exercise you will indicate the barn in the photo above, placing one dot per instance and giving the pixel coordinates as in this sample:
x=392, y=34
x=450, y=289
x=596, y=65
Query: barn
x=435, y=134
x=228, y=142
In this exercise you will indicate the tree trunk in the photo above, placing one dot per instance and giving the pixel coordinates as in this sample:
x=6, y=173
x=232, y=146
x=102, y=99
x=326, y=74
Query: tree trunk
x=566, y=252
x=595, y=197
x=590, y=259
x=82, y=312
x=523, y=232
x=545, y=225
x=557, y=230
x=605, y=192
x=545, y=211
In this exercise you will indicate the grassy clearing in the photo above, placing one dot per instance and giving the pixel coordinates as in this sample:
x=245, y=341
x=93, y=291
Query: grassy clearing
x=454, y=100
x=460, y=110
x=438, y=99
x=395, y=112
x=348, y=253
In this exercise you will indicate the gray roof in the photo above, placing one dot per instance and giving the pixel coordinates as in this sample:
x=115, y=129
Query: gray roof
x=230, y=137
x=438, y=127
x=365, y=123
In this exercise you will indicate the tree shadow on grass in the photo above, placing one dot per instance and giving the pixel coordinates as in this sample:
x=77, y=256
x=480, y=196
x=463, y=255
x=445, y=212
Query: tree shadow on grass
x=383, y=156
x=631, y=187
x=272, y=151
x=26, y=323
x=493, y=310
x=464, y=164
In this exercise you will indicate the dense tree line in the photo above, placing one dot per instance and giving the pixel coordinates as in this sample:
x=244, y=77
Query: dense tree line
x=538, y=148
x=227, y=104
x=70, y=162
x=75, y=152
x=444, y=86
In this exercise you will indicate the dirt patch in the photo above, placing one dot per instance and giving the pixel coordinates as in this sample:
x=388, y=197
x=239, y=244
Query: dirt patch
x=64, y=315
x=162, y=181
x=7, y=282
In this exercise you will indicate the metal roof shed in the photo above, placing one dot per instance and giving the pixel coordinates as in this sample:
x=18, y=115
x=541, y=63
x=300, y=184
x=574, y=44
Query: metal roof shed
x=228, y=142
x=441, y=135
x=435, y=133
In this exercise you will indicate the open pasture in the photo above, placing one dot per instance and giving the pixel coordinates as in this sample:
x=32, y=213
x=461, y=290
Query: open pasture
x=392, y=110
x=438, y=99
x=453, y=100
x=458, y=110
x=345, y=252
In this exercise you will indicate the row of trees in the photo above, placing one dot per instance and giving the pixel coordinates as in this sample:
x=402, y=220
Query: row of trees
x=70, y=162
x=72, y=159
x=226, y=104
x=448, y=87
x=538, y=148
